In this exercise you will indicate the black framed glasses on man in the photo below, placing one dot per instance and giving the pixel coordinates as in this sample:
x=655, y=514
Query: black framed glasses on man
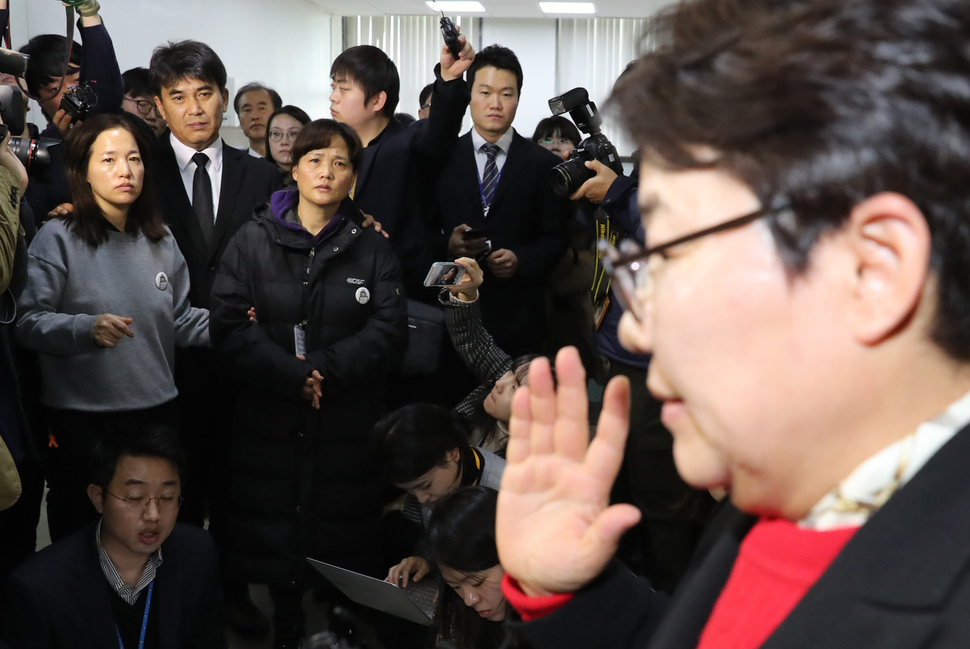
x=143, y=106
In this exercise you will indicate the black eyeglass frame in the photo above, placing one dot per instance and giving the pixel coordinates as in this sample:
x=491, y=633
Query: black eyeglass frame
x=614, y=260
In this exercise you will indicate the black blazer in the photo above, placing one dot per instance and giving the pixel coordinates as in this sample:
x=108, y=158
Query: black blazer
x=525, y=217
x=57, y=598
x=246, y=182
x=901, y=582
x=398, y=169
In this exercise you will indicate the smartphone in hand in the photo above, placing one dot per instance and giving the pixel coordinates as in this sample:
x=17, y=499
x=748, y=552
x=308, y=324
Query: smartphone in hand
x=444, y=273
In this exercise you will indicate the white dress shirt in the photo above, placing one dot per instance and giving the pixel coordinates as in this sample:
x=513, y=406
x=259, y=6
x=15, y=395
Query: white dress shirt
x=481, y=157
x=183, y=156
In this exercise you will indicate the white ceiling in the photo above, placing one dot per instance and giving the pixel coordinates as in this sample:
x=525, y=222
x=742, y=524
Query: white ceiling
x=493, y=8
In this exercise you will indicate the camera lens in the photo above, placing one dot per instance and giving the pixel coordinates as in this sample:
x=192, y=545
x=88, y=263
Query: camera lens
x=566, y=177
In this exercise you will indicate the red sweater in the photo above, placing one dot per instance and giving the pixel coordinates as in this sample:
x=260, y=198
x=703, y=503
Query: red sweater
x=777, y=563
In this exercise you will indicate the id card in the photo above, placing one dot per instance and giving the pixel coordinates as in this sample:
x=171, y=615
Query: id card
x=299, y=340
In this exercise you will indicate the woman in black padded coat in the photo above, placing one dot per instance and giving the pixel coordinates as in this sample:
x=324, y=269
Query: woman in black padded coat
x=331, y=320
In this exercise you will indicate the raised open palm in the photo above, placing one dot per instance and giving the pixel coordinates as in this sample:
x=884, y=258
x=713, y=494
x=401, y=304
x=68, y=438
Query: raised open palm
x=554, y=528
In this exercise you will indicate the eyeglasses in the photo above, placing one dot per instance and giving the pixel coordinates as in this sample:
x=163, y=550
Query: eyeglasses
x=555, y=140
x=427, y=105
x=143, y=106
x=139, y=504
x=633, y=267
x=276, y=136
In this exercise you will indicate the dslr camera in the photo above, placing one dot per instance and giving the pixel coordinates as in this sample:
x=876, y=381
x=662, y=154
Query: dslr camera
x=33, y=153
x=567, y=176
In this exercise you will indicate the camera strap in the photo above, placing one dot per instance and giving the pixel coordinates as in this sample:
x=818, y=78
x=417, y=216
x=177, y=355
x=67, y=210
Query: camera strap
x=601, y=279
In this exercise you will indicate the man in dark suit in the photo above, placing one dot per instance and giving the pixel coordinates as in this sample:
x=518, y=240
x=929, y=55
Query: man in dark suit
x=136, y=578
x=207, y=190
x=400, y=161
x=804, y=295
x=496, y=182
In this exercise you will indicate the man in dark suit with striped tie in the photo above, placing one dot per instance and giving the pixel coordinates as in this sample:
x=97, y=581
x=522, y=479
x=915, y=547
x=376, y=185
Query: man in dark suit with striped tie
x=498, y=181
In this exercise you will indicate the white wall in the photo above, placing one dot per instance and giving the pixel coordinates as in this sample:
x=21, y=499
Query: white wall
x=534, y=43
x=284, y=43
x=287, y=44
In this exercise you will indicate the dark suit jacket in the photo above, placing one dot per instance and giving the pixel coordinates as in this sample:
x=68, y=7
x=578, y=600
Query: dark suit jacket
x=399, y=167
x=58, y=599
x=901, y=582
x=525, y=217
x=246, y=182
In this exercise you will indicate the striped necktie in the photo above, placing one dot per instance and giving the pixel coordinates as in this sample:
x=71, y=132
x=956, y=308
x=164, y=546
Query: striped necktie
x=490, y=176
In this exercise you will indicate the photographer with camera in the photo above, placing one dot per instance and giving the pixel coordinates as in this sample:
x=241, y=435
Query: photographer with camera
x=661, y=545
x=88, y=83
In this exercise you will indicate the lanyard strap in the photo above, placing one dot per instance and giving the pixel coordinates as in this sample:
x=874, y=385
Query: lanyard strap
x=144, y=620
x=481, y=191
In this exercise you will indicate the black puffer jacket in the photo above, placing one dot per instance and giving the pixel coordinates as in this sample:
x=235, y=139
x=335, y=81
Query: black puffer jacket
x=303, y=483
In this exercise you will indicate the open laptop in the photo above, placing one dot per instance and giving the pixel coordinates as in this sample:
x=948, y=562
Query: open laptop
x=416, y=602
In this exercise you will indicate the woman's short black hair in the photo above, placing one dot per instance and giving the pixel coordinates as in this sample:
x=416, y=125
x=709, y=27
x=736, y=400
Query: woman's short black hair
x=186, y=60
x=414, y=439
x=819, y=106
x=296, y=113
x=461, y=536
x=319, y=133
x=87, y=221
x=548, y=127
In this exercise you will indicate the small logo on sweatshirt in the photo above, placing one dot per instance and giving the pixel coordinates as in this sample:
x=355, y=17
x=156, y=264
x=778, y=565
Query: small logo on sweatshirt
x=356, y=281
x=161, y=281
x=363, y=295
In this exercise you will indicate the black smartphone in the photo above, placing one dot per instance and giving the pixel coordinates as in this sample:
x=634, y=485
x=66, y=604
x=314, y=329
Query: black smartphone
x=474, y=233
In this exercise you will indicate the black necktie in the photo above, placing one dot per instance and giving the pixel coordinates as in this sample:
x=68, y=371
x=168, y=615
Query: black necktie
x=490, y=176
x=202, y=196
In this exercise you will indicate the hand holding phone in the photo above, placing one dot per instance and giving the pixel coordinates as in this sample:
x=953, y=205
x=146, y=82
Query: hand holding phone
x=444, y=273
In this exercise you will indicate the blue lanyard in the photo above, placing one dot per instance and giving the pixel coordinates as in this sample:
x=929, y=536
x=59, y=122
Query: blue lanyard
x=481, y=191
x=144, y=620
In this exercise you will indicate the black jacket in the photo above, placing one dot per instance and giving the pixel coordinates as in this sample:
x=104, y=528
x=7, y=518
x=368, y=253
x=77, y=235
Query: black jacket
x=526, y=217
x=59, y=598
x=399, y=167
x=246, y=182
x=901, y=582
x=303, y=481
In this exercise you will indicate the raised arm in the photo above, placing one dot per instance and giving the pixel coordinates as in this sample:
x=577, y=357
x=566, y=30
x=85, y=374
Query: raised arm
x=555, y=529
x=463, y=319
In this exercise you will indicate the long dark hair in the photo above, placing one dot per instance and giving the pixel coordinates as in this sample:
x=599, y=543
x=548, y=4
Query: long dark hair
x=461, y=536
x=482, y=421
x=87, y=221
x=414, y=439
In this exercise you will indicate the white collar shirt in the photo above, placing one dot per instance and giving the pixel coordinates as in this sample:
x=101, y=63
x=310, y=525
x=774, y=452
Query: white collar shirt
x=183, y=156
x=481, y=157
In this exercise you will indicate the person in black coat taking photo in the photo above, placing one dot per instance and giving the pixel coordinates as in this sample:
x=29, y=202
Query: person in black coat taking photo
x=331, y=320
